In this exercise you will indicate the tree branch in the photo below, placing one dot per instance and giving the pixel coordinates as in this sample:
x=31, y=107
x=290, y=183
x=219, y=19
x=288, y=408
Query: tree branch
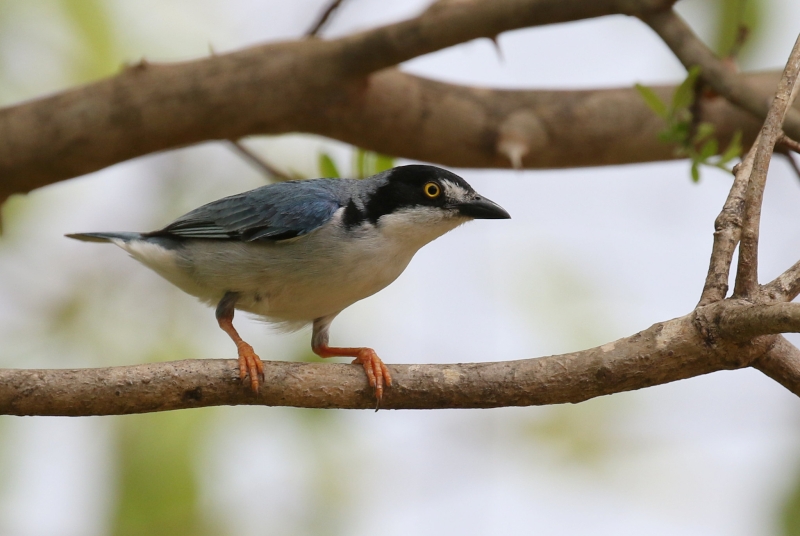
x=691, y=51
x=710, y=339
x=265, y=167
x=323, y=18
x=782, y=364
x=312, y=85
x=786, y=286
x=748, y=321
x=727, y=232
x=89, y=128
x=747, y=272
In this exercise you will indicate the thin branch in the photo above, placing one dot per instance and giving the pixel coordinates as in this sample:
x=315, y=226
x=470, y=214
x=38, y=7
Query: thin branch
x=782, y=364
x=786, y=286
x=323, y=18
x=727, y=231
x=691, y=51
x=259, y=162
x=747, y=272
x=789, y=143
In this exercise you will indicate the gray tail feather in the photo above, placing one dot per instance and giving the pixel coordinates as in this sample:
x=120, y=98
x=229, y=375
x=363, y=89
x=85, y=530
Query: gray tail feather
x=104, y=237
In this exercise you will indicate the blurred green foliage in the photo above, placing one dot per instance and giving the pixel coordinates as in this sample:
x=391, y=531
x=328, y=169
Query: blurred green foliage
x=157, y=483
x=365, y=164
x=579, y=435
x=790, y=514
x=739, y=23
x=694, y=140
x=368, y=163
x=327, y=167
x=93, y=26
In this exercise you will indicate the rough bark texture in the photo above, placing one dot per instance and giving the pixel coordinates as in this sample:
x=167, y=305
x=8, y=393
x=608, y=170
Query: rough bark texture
x=717, y=337
x=343, y=89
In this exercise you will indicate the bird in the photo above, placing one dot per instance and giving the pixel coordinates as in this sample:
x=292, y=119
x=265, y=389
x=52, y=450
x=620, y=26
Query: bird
x=299, y=252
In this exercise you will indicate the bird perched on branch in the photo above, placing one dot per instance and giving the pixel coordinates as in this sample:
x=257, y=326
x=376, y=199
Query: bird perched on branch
x=300, y=252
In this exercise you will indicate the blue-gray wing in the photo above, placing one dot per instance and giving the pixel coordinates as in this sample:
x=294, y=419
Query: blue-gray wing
x=274, y=212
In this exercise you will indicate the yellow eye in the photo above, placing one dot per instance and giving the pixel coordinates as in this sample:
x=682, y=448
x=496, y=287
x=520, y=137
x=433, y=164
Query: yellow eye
x=432, y=190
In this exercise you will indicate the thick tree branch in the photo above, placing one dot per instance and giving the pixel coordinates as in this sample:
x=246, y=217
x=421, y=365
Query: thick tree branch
x=782, y=364
x=691, y=51
x=747, y=272
x=394, y=113
x=752, y=320
x=321, y=87
x=710, y=339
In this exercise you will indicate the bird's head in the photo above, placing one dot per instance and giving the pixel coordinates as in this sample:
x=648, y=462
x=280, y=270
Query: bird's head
x=428, y=190
x=425, y=201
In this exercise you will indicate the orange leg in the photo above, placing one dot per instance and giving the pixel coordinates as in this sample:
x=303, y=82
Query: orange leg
x=249, y=363
x=377, y=373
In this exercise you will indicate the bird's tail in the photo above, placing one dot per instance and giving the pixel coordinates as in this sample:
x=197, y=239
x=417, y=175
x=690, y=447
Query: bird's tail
x=104, y=237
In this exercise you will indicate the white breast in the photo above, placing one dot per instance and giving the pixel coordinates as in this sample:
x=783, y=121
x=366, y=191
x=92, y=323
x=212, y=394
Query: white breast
x=296, y=281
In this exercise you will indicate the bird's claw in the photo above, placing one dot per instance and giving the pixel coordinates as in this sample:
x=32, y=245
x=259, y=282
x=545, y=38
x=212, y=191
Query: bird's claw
x=250, y=365
x=377, y=373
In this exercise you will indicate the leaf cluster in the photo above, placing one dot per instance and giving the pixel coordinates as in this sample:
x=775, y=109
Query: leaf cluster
x=693, y=140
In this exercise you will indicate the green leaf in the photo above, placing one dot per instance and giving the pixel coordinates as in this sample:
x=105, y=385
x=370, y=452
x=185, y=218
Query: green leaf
x=708, y=150
x=93, y=26
x=695, y=171
x=734, y=148
x=652, y=100
x=383, y=162
x=361, y=163
x=327, y=167
x=704, y=130
x=684, y=94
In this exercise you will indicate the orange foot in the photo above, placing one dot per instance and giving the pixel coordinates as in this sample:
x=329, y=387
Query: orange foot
x=250, y=365
x=377, y=373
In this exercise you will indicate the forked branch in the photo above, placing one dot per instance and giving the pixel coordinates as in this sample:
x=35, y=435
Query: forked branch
x=705, y=341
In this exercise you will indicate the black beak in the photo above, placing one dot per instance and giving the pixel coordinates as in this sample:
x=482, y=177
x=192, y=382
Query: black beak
x=481, y=208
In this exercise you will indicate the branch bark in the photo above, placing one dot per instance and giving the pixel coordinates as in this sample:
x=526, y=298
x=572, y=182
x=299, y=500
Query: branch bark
x=716, y=337
x=747, y=273
x=691, y=51
x=728, y=231
x=334, y=88
x=782, y=364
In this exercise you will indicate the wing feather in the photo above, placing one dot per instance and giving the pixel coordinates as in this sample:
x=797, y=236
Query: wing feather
x=274, y=212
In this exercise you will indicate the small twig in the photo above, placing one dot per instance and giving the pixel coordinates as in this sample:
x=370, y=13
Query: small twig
x=742, y=33
x=259, y=162
x=691, y=51
x=323, y=18
x=789, y=143
x=696, y=108
x=747, y=272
